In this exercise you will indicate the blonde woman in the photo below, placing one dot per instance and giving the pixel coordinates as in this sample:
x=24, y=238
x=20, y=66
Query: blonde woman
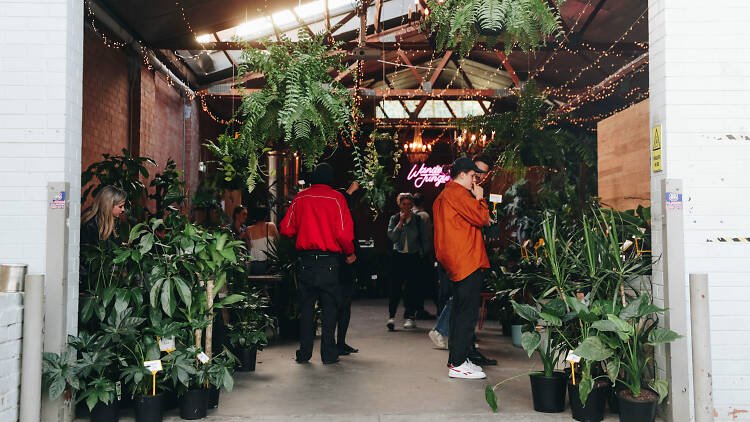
x=98, y=222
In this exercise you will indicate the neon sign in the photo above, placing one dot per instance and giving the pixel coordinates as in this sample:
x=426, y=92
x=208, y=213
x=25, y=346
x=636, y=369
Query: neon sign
x=425, y=174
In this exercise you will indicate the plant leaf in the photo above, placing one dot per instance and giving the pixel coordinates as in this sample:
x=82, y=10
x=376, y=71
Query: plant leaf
x=661, y=336
x=585, y=387
x=491, y=398
x=661, y=387
x=613, y=370
x=531, y=341
x=593, y=350
x=552, y=319
x=526, y=312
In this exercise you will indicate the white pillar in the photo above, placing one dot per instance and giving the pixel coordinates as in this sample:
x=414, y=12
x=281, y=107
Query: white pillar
x=41, y=73
x=699, y=76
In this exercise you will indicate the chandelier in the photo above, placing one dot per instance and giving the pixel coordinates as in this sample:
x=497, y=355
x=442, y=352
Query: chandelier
x=417, y=151
x=472, y=143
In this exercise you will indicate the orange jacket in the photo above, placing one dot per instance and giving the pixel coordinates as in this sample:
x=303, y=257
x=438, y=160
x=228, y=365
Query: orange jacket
x=459, y=219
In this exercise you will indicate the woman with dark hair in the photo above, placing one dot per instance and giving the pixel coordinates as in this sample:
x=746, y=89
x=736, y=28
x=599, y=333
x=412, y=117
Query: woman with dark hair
x=238, y=226
x=260, y=234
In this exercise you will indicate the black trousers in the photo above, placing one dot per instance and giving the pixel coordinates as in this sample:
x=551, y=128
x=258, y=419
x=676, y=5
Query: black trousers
x=445, y=288
x=464, y=316
x=319, y=281
x=346, y=278
x=405, y=282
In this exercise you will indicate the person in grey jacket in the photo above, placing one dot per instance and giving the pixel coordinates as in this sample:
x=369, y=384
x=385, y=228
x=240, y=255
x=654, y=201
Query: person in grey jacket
x=407, y=232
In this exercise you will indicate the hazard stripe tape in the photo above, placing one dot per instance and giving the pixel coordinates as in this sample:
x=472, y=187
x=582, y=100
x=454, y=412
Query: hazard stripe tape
x=730, y=240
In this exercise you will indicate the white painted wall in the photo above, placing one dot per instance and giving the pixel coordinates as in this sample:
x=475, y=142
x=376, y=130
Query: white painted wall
x=700, y=94
x=11, y=330
x=41, y=71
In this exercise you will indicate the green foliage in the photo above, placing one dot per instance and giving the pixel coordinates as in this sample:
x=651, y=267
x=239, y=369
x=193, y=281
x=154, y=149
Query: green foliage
x=169, y=189
x=301, y=106
x=123, y=171
x=250, y=321
x=461, y=24
x=58, y=374
x=371, y=170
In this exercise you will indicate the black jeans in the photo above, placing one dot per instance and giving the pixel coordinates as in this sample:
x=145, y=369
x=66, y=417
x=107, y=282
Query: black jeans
x=319, y=281
x=405, y=281
x=346, y=277
x=464, y=316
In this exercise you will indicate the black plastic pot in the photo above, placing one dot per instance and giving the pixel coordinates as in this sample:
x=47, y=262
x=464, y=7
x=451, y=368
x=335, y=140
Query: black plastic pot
x=194, y=404
x=506, y=324
x=594, y=409
x=632, y=410
x=247, y=357
x=612, y=402
x=213, y=397
x=148, y=408
x=106, y=412
x=548, y=393
x=170, y=401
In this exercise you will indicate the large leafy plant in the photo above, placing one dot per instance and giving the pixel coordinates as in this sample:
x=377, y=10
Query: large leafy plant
x=300, y=107
x=460, y=24
x=250, y=321
x=169, y=188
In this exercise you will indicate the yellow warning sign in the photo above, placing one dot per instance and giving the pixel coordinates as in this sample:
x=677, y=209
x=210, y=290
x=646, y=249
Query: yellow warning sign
x=656, y=148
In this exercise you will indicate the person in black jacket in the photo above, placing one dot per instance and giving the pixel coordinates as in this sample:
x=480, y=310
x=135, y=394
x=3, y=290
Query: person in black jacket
x=98, y=221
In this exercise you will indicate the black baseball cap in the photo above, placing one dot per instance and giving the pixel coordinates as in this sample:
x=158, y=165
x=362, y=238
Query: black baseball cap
x=465, y=164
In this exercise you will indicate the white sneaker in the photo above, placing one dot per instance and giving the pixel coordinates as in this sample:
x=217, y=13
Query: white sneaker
x=466, y=370
x=409, y=323
x=390, y=324
x=474, y=365
x=437, y=339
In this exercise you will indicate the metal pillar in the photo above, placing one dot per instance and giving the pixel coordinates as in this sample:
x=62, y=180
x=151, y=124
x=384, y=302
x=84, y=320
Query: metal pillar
x=274, y=180
x=56, y=289
x=700, y=333
x=31, y=360
x=675, y=319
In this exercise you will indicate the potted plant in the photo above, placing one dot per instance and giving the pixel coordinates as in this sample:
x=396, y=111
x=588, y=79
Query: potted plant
x=628, y=333
x=301, y=106
x=247, y=332
x=220, y=372
x=190, y=381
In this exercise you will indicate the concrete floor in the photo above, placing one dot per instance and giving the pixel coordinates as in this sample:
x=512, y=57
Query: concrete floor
x=396, y=376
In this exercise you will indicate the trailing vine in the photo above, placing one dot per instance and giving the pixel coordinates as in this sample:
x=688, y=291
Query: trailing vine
x=301, y=107
x=371, y=170
x=460, y=24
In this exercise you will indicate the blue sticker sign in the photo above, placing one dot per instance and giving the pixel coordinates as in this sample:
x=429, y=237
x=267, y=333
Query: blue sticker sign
x=673, y=200
x=58, y=203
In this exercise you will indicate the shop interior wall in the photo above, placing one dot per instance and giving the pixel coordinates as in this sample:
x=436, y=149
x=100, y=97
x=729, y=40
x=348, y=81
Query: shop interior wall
x=624, y=161
x=168, y=126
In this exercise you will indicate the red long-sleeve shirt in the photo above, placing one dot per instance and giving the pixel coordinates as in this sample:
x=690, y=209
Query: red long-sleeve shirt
x=320, y=219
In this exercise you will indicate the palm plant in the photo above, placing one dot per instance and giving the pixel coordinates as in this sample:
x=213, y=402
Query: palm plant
x=460, y=24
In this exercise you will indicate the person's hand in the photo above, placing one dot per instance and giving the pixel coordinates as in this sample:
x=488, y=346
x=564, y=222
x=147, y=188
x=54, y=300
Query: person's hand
x=351, y=258
x=477, y=191
x=353, y=187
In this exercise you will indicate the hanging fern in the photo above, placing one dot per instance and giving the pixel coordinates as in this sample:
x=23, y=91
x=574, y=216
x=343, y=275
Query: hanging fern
x=370, y=170
x=301, y=107
x=460, y=24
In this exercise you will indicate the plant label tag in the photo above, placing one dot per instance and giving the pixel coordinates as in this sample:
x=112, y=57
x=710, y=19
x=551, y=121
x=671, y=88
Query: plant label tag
x=526, y=243
x=626, y=245
x=153, y=366
x=374, y=276
x=572, y=357
x=203, y=357
x=496, y=198
x=166, y=344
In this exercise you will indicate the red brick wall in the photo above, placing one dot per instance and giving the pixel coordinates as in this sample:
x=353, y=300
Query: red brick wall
x=106, y=114
x=624, y=160
x=105, y=100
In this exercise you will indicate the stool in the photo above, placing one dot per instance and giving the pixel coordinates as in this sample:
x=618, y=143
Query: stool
x=482, y=309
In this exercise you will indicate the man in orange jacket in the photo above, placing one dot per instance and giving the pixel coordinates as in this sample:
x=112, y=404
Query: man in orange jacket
x=460, y=212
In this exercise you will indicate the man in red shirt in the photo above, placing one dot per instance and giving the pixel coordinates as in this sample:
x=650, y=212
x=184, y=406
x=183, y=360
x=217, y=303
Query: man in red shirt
x=320, y=218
